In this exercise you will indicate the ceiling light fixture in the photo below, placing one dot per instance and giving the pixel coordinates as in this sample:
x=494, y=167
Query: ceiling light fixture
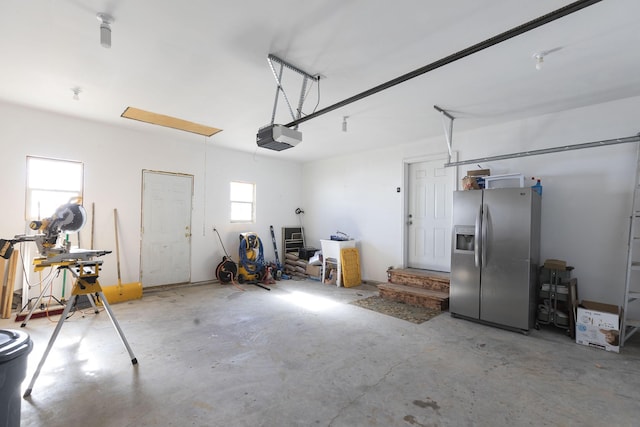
x=76, y=93
x=344, y=123
x=539, y=60
x=539, y=56
x=105, y=29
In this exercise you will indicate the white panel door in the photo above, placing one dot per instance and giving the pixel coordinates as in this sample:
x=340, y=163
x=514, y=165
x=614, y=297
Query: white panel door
x=429, y=215
x=166, y=228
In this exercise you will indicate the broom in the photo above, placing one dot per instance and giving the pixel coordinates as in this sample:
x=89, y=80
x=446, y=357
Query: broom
x=122, y=291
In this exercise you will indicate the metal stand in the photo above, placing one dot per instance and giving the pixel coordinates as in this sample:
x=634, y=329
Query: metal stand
x=39, y=298
x=555, y=296
x=86, y=275
x=35, y=305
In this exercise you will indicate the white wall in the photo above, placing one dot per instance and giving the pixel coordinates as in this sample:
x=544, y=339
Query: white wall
x=585, y=206
x=114, y=158
x=586, y=201
x=357, y=195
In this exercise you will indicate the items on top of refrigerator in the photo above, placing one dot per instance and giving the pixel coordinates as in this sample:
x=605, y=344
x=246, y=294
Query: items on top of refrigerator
x=506, y=180
x=480, y=179
x=471, y=183
x=537, y=187
x=475, y=179
x=479, y=172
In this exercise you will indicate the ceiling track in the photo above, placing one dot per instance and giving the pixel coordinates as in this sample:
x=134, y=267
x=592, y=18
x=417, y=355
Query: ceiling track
x=516, y=31
x=595, y=144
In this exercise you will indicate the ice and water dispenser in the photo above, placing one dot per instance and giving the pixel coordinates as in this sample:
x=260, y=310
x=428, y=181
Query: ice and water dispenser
x=465, y=238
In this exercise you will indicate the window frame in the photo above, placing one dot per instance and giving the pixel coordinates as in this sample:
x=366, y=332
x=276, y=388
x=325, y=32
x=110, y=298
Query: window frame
x=233, y=202
x=71, y=191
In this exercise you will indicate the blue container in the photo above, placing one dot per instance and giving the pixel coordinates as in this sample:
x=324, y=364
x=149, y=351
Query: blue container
x=15, y=346
x=537, y=188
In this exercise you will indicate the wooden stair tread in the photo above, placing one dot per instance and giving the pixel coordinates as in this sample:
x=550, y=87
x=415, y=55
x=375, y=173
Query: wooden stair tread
x=425, y=279
x=438, y=295
x=431, y=274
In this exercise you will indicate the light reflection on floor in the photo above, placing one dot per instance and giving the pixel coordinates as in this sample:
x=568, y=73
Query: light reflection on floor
x=308, y=301
x=69, y=350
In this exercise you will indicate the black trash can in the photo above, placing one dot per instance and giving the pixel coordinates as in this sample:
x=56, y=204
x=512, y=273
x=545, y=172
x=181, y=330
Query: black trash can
x=15, y=346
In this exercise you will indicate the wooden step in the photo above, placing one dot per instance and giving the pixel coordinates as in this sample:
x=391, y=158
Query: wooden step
x=425, y=279
x=415, y=296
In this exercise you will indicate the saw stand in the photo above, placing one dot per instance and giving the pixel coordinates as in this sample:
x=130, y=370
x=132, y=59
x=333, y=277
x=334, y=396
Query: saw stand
x=86, y=283
x=44, y=290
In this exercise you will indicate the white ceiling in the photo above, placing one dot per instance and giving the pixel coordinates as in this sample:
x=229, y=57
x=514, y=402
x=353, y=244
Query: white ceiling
x=206, y=61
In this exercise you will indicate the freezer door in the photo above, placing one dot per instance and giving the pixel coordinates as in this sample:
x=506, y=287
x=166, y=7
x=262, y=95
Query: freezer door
x=505, y=294
x=464, y=293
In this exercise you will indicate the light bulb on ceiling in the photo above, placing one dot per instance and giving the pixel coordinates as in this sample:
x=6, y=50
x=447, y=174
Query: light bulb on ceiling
x=539, y=56
x=76, y=93
x=105, y=29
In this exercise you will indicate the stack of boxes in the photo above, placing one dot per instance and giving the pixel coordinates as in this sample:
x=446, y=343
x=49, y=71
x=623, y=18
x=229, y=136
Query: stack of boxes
x=303, y=264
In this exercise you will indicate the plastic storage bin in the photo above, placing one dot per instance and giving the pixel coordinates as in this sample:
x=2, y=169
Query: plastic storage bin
x=15, y=346
x=508, y=180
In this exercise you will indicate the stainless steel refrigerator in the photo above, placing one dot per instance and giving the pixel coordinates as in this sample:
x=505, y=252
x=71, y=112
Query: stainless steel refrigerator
x=495, y=256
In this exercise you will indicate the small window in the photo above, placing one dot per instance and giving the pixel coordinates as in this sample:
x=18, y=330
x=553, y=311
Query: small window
x=243, y=196
x=50, y=184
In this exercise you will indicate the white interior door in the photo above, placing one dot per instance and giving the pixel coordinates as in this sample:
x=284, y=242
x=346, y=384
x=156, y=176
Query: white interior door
x=166, y=228
x=430, y=192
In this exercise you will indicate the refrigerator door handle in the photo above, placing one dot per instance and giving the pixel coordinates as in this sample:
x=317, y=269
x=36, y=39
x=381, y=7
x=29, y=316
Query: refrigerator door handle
x=478, y=241
x=485, y=215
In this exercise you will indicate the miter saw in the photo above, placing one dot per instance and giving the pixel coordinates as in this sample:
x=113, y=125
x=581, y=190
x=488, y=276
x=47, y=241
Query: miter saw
x=68, y=218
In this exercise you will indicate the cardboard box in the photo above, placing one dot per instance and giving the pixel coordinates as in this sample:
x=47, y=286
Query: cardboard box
x=479, y=172
x=314, y=270
x=555, y=264
x=598, y=325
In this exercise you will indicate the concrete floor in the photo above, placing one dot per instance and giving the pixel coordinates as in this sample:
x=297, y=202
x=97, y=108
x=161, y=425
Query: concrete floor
x=299, y=355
